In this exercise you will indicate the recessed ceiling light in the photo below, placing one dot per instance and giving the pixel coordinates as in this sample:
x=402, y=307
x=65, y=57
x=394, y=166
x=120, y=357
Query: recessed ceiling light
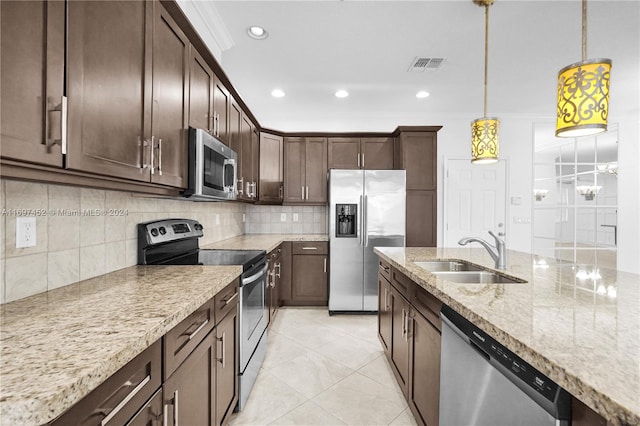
x=257, y=32
x=277, y=93
x=422, y=94
x=342, y=94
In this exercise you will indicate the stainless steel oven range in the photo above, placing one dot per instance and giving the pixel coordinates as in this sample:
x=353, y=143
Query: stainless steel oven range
x=175, y=242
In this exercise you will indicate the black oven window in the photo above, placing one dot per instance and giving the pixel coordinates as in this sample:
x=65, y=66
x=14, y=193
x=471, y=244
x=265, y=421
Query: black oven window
x=213, y=169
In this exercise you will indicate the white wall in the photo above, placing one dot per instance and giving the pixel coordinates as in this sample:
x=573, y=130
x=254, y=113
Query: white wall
x=629, y=195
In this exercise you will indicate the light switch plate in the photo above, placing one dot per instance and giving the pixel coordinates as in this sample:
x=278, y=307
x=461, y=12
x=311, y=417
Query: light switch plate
x=295, y=217
x=25, y=232
x=283, y=217
x=217, y=219
x=244, y=217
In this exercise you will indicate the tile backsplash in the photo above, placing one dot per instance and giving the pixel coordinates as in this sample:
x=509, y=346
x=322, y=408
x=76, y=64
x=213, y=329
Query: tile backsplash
x=286, y=220
x=72, y=245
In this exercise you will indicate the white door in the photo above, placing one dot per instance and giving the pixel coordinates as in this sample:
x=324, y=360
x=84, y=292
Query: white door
x=475, y=200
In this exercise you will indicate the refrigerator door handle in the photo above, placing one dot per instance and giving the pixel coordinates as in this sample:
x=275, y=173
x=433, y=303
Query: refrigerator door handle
x=365, y=224
x=360, y=204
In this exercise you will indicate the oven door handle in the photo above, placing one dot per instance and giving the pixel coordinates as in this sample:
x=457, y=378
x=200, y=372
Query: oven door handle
x=255, y=276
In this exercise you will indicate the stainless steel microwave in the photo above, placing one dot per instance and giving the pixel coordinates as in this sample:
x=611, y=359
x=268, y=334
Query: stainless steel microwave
x=212, y=168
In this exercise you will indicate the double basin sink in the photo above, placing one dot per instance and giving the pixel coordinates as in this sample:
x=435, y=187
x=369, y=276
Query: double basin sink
x=459, y=271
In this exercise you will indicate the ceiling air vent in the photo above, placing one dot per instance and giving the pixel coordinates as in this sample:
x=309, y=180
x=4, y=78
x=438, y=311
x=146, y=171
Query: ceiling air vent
x=421, y=64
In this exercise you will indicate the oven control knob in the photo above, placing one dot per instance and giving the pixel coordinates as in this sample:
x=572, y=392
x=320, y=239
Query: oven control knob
x=162, y=230
x=154, y=232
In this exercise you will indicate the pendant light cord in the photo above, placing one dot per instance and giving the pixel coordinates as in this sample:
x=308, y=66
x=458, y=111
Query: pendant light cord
x=486, y=53
x=584, y=30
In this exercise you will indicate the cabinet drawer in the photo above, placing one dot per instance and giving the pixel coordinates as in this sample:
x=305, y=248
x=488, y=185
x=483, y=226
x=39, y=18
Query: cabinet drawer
x=150, y=412
x=310, y=247
x=226, y=300
x=184, y=337
x=384, y=269
x=401, y=282
x=428, y=305
x=117, y=399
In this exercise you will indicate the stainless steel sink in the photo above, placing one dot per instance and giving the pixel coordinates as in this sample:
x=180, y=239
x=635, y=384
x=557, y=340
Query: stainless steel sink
x=476, y=277
x=447, y=265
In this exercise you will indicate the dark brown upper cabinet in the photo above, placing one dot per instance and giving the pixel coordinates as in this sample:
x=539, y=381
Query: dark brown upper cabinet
x=32, y=80
x=375, y=153
x=221, y=111
x=305, y=170
x=201, y=84
x=416, y=152
x=271, y=169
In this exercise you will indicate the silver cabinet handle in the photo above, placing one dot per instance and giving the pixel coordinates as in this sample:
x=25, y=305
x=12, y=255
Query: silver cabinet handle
x=307, y=192
x=363, y=160
x=160, y=157
x=175, y=408
x=222, y=360
x=309, y=248
x=386, y=299
x=240, y=186
x=403, y=325
x=358, y=157
x=281, y=192
x=62, y=108
x=153, y=168
x=218, y=124
x=302, y=192
x=325, y=265
x=126, y=399
x=229, y=299
x=383, y=268
x=197, y=330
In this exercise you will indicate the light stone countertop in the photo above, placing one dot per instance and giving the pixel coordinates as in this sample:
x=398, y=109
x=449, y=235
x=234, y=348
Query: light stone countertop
x=583, y=333
x=56, y=347
x=266, y=242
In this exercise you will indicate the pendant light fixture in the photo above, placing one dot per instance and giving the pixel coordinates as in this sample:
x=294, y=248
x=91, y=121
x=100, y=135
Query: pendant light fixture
x=484, y=131
x=583, y=93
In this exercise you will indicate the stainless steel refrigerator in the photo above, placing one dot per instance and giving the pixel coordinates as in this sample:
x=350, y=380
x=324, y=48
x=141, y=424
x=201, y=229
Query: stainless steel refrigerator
x=366, y=210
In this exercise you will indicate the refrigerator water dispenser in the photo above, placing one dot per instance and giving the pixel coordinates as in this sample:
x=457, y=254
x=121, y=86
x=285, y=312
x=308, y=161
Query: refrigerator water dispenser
x=346, y=226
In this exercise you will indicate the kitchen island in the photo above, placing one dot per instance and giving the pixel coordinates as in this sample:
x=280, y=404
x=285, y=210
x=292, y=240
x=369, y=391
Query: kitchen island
x=578, y=325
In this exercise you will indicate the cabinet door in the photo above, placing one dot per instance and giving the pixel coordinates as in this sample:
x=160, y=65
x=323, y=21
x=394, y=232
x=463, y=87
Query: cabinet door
x=190, y=392
x=419, y=159
x=424, y=383
x=316, y=170
x=150, y=414
x=170, y=100
x=294, y=170
x=309, y=278
x=227, y=366
x=235, y=142
x=271, y=168
x=201, y=83
x=421, y=219
x=221, y=105
x=400, y=339
x=246, y=161
x=109, y=87
x=344, y=153
x=377, y=153
x=384, y=314
x=32, y=79
x=255, y=161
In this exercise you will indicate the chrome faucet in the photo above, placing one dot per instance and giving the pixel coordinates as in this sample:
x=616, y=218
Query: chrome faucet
x=497, y=253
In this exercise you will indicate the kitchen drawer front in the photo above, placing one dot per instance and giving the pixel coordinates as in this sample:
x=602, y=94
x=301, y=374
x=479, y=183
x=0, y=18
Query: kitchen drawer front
x=226, y=300
x=184, y=337
x=310, y=247
x=119, y=398
x=384, y=269
x=401, y=282
x=428, y=305
x=150, y=413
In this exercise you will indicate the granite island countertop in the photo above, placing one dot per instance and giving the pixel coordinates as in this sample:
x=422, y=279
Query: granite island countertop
x=58, y=346
x=578, y=325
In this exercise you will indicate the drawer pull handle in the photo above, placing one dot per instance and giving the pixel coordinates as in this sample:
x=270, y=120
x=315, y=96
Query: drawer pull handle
x=222, y=360
x=309, y=248
x=384, y=268
x=126, y=399
x=197, y=330
x=229, y=299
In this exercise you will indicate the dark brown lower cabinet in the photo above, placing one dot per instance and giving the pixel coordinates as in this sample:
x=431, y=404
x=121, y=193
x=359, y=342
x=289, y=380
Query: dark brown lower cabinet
x=384, y=314
x=424, y=367
x=400, y=339
x=273, y=282
x=150, y=414
x=309, y=275
x=190, y=391
x=227, y=366
x=421, y=218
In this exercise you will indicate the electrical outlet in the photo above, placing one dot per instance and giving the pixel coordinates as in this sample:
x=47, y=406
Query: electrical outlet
x=295, y=217
x=244, y=218
x=283, y=217
x=25, y=232
x=217, y=219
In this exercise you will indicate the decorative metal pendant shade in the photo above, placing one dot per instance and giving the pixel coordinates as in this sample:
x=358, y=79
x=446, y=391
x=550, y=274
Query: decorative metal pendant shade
x=484, y=131
x=583, y=93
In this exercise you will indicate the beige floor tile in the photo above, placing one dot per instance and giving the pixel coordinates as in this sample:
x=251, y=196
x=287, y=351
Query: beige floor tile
x=270, y=398
x=358, y=400
x=380, y=371
x=310, y=373
x=310, y=334
x=308, y=414
x=351, y=351
x=280, y=348
x=404, y=419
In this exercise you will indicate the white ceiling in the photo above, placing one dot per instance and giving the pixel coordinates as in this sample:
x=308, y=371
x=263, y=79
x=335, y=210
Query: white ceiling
x=366, y=47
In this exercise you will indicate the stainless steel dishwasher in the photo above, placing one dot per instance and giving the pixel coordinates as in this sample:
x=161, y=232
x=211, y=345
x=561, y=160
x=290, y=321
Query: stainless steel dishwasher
x=482, y=383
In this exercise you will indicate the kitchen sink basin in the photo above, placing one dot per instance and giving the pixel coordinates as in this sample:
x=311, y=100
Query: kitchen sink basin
x=477, y=277
x=447, y=265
